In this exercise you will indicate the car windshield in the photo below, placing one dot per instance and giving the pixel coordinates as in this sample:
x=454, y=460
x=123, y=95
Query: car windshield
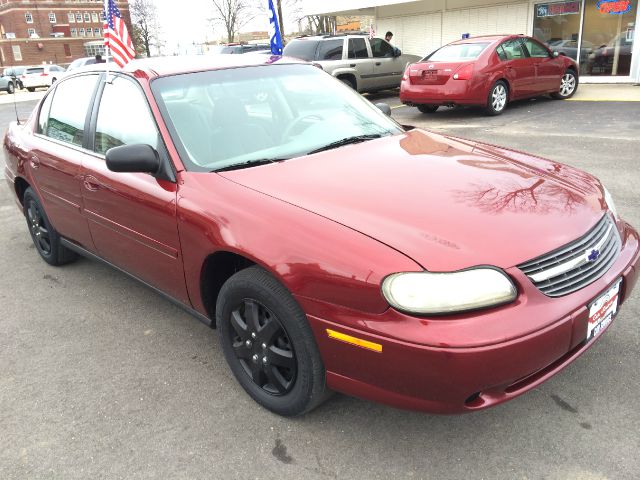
x=302, y=49
x=457, y=53
x=251, y=115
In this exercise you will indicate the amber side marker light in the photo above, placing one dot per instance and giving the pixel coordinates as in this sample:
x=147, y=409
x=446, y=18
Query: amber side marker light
x=343, y=337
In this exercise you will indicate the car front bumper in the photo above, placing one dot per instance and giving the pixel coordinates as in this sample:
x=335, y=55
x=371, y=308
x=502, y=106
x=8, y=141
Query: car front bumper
x=444, y=371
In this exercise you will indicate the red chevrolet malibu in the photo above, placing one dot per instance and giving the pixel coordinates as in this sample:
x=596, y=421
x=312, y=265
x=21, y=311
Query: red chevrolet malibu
x=488, y=71
x=333, y=249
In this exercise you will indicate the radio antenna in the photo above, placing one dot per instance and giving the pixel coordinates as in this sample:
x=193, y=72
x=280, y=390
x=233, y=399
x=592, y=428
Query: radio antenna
x=14, y=82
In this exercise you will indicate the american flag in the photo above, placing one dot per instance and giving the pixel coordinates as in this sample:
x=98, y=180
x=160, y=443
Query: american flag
x=116, y=36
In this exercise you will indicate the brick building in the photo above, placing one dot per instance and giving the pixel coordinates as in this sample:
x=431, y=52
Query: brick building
x=46, y=31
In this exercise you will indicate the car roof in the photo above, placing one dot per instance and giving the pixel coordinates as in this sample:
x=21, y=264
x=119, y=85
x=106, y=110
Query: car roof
x=161, y=66
x=487, y=38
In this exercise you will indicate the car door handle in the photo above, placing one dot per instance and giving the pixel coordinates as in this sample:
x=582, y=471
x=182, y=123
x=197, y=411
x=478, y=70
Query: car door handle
x=91, y=183
x=35, y=162
x=378, y=64
x=352, y=65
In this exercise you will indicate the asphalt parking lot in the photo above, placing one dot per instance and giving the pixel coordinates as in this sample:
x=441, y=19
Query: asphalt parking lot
x=102, y=378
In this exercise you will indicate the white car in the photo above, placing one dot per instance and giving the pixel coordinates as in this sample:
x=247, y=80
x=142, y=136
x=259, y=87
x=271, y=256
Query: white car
x=41, y=76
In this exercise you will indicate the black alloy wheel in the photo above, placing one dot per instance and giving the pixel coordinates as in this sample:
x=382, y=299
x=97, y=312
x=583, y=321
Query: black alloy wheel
x=262, y=347
x=44, y=236
x=268, y=343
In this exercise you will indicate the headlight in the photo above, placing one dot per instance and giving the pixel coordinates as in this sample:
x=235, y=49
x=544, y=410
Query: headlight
x=610, y=203
x=433, y=293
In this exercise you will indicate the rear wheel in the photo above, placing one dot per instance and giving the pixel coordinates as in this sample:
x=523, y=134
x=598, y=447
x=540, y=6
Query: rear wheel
x=497, y=100
x=10, y=87
x=349, y=82
x=568, y=86
x=44, y=236
x=427, y=108
x=268, y=343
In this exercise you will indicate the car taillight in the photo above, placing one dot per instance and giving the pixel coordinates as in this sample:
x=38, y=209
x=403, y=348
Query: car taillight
x=44, y=74
x=464, y=73
x=406, y=73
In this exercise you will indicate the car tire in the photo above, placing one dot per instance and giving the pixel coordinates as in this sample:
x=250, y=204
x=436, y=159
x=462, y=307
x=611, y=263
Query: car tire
x=44, y=236
x=427, y=108
x=268, y=343
x=498, y=98
x=20, y=85
x=10, y=87
x=348, y=81
x=568, y=86
x=31, y=89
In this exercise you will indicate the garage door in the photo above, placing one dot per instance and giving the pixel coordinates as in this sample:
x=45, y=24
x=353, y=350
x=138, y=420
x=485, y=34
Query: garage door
x=421, y=34
x=509, y=18
x=415, y=34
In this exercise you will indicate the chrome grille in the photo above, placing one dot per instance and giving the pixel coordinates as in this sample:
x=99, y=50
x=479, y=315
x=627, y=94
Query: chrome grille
x=572, y=267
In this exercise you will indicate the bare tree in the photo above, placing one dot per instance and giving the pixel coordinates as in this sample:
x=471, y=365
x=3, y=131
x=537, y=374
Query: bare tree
x=146, y=28
x=233, y=15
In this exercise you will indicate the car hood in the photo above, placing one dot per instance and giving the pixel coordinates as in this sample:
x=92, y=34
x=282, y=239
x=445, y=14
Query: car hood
x=447, y=203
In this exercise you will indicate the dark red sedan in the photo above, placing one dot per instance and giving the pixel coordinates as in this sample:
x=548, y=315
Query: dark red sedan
x=333, y=249
x=488, y=71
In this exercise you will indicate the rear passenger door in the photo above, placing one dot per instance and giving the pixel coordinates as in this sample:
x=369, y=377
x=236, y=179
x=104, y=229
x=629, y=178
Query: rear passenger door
x=358, y=56
x=518, y=68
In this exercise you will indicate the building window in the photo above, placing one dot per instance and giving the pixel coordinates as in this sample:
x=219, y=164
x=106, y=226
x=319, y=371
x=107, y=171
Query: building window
x=89, y=32
x=94, y=17
x=17, y=54
x=79, y=17
x=52, y=18
x=74, y=32
x=31, y=32
x=87, y=17
x=82, y=32
x=102, y=17
x=28, y=17
x=71, y=17
x=96, y=32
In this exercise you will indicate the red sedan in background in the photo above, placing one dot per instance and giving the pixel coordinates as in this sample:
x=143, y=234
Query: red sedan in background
x=489, y=71
x=333, y=249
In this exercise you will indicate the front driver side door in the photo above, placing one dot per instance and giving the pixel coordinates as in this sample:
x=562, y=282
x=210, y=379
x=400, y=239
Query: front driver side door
x=132, y=216
x=387, y=68
x=519, y=68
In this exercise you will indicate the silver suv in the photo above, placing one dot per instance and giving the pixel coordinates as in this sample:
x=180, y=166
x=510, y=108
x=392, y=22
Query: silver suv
x=365, y=64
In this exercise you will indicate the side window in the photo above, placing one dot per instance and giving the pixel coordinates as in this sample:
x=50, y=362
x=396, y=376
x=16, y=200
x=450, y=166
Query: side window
x=114, y=128
x=501, y=54
x=331, y=49
x=43, y=116
x=69, y=109
x=358, y=48
x=513, y=49
x=535, y=49
x=380, y=48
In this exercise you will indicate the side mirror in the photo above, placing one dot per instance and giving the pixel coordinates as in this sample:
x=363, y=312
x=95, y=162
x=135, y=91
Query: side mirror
x=133, y=158
x=396, y=52
x=555, y=53
x=384, y=108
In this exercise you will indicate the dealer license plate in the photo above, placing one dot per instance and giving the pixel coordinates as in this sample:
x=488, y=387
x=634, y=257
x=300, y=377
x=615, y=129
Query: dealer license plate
x=602, y=310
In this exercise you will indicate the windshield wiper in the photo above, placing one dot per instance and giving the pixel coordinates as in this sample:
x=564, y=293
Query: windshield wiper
x=248, y=164
x=346, y=141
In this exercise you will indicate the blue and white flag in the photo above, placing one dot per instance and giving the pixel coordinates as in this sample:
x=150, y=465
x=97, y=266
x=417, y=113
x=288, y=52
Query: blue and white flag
x=276, y=37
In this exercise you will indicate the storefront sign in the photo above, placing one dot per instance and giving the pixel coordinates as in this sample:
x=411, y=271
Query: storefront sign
x=614, y=7
x=555, y=9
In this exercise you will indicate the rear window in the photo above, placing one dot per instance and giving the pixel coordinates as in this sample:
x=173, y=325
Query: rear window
x=35, y=70
x=302, y=49
x=457, y=53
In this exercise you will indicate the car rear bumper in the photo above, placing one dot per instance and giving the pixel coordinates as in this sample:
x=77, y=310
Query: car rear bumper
x=450, y=378
x=35, y=82
x=453, y=92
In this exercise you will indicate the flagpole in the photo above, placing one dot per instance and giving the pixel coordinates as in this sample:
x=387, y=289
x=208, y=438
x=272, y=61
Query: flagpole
x=105, y=32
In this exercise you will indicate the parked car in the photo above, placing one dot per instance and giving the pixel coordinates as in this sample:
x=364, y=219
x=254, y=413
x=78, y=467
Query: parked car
x=365, y=64
x=40, y=76
x=602, y=59
x=81, y=62
x=7, y=83
x=14, y=73
x=240, y=48
x=333, y=249
x=570, y=48
x=489, y=71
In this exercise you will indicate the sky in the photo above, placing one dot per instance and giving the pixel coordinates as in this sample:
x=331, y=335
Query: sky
x=184, y=22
